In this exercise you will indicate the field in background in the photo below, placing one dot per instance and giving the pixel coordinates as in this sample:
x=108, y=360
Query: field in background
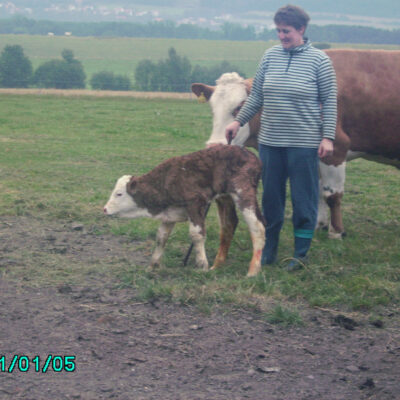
x=60, y=158
x=100, y=93
x=121, y=55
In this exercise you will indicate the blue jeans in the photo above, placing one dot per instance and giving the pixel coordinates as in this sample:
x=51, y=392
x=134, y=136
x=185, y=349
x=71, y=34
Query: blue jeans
x=300, y=166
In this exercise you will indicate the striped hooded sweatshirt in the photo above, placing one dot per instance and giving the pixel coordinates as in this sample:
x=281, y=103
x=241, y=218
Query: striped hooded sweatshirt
x=297, y=90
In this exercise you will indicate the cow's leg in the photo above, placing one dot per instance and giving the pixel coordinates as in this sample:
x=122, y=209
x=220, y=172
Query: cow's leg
x=228, y=221
x=163, y=233
x=198, y=236
x=323, y=210
x=336, y=227
x=332, y=189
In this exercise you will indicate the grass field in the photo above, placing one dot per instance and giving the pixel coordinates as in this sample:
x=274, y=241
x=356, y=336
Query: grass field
x=121, y=55
x=60, y=158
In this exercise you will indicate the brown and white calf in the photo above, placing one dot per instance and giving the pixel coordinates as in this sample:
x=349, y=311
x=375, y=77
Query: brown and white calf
x=181, y=188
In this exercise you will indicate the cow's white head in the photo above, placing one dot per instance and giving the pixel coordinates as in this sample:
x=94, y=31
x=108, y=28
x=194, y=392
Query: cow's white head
x=121, y=203
x=225, y=99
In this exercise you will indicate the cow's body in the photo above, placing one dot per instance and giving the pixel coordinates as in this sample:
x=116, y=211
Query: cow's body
x=368, y=122
x=368, y=104
x=181, y=188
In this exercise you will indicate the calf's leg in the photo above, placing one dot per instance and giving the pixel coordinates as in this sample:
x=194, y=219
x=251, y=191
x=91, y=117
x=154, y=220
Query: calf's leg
x=197, y=234
x=228, y=221
x=257, y=233
x=163, y=233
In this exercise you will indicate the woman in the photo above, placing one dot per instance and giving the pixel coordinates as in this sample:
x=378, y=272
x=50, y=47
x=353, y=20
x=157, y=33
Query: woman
x=296, y=85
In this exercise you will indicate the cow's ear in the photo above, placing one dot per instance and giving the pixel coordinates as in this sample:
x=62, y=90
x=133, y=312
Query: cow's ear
x=202, y=90
x=131, y=184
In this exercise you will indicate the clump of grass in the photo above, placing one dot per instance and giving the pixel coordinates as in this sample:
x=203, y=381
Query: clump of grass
x=284, y=316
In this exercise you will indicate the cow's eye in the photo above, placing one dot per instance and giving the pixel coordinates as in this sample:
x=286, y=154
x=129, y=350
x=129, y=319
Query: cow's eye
x=119, y=194
x=235, y=112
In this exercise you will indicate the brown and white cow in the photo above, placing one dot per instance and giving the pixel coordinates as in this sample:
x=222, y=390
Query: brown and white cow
x=226, y=99
x=181, y=188
x=368, y=123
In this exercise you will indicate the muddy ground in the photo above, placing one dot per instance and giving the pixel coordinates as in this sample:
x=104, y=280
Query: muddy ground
x=127, y=349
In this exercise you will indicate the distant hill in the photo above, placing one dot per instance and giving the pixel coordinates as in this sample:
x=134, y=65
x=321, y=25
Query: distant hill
x=375, y=13
x=372, y=8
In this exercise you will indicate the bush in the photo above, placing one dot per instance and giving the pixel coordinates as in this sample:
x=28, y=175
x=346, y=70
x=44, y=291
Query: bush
x=146, y=76
x=175, y=74
x=170, y=75
x=15, y=68
x=105, y=80
x=67, y=73
x=209, y=75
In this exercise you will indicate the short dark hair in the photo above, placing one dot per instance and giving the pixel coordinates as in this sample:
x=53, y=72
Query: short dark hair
x=292, y=16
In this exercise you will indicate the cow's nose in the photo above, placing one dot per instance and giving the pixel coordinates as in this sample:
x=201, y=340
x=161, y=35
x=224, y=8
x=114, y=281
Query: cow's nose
x=105, y=210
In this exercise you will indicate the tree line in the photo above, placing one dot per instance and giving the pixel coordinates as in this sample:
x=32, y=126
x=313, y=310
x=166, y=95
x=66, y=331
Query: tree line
x=16, y=71
x=174, y=74
x=169, y=29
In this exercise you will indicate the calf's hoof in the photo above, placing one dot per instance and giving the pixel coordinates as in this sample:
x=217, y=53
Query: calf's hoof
x=154, y=265
x=217, y=264
x=254, y=271
x=203, y=264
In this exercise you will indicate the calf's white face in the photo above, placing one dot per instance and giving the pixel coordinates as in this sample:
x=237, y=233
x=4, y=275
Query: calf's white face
x=228, y=97
x=121, y=202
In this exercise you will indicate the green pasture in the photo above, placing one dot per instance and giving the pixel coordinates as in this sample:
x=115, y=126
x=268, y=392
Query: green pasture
x=121, y=55
x=60, y=158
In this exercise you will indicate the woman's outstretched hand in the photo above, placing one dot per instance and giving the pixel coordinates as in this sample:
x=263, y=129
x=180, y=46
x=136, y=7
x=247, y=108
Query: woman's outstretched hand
x=231, y=131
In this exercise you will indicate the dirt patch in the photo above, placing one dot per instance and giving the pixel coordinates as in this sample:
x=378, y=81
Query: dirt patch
x=74, y=241
x=127, y=349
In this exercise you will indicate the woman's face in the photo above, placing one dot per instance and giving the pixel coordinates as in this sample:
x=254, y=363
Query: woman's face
x=289, y=36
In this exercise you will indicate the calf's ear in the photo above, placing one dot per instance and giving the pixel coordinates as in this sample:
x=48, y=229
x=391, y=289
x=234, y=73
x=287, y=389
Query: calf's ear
x=130, y=187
